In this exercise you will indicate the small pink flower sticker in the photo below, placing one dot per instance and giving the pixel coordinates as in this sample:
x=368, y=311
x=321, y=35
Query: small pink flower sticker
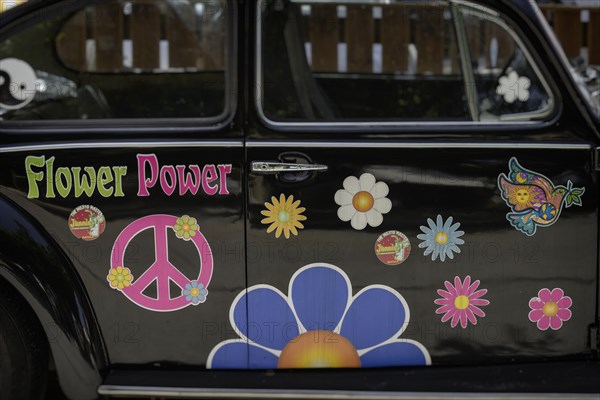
x=550, y=309
x=461, y=302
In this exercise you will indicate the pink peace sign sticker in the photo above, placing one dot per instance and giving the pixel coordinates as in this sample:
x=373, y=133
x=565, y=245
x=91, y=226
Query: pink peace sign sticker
x=193, y=291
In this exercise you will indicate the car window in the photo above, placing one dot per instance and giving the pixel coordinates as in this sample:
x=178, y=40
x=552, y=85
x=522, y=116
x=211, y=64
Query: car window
x=393, y=61
x=508, y=85
x=117, y=60
x=352, y=61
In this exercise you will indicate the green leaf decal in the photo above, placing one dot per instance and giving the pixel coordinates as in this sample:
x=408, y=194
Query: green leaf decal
x=569, y=201
x=574, y=197
x=577, y=192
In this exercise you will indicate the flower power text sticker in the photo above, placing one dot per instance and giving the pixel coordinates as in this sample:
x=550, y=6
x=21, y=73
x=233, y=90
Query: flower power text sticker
x=193, y=291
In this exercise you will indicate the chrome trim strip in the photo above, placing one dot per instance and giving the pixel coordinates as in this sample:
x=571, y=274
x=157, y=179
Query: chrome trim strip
x=299, y=144
x=207, y=393
x=116, y=145
x=419, y=145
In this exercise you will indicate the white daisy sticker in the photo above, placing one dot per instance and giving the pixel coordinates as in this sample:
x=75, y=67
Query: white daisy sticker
x=441, y=239
x=363, y=201
x=514, y=87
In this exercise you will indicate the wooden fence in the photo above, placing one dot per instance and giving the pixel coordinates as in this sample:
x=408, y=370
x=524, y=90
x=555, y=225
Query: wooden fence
x=397, y=38
x=358, y=38
x=577, y=29
x=353, y=38
x=144, y=34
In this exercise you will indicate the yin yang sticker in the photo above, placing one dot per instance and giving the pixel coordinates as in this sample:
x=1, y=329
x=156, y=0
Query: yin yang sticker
x=17, y=84
x=392, y=248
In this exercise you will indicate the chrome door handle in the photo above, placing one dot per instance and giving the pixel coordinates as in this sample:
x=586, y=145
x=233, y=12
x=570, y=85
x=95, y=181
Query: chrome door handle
x=269, y=168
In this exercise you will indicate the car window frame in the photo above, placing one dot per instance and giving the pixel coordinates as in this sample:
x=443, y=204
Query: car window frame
x=40, y=12
x=533, y=57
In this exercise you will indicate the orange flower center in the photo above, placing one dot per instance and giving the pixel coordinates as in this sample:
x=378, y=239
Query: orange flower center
x=363, y=201
x=185, y=227
x=550, y=309
x=319, y=349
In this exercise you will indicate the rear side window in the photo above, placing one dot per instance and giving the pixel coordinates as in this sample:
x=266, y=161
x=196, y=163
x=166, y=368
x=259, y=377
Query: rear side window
x=391, y=61
x=507, y=83
x=119, y=60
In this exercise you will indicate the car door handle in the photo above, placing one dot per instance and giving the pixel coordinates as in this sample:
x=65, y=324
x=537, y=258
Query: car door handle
x=269, y=167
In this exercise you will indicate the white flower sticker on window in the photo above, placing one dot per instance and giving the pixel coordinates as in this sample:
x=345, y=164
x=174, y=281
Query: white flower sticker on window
x=514, y=87
x=363, y=201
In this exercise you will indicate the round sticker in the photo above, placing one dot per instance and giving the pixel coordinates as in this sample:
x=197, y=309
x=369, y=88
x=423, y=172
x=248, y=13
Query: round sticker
x=87, y=222
x=392, y=247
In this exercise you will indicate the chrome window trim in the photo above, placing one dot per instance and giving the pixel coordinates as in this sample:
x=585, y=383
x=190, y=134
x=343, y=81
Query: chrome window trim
x=417, y=145
x=502, y=123
x=466, y=67
x=298, y=144
x=215, y=393
x=118, y=145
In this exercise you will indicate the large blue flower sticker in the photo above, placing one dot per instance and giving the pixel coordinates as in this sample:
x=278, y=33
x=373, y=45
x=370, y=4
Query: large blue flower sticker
x=319, y=324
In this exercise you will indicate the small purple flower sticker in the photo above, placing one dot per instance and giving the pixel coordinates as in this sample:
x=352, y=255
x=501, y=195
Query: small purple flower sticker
x=550, y=309
x=195, y=293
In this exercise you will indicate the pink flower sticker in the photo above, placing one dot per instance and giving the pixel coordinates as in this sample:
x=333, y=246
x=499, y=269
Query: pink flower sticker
x=461, y=302
x=550, y=309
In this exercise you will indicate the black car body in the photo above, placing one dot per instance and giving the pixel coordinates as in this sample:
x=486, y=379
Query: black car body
x=203, y=197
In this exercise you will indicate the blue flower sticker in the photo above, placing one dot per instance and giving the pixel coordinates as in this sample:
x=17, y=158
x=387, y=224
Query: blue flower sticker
x=318, y=324
x=441, y=239
x=195, y=293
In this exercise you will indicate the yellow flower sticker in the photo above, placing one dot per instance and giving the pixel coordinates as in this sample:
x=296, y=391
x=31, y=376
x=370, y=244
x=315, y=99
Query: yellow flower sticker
x=186, y=227
x=119, y=278
x=283, y=215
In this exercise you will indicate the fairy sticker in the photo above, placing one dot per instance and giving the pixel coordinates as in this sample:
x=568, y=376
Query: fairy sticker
x=533, y=198
x=162, y=271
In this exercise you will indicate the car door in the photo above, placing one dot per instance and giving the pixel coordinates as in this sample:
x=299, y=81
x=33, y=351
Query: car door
x=120, y=138
x=420, y=191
